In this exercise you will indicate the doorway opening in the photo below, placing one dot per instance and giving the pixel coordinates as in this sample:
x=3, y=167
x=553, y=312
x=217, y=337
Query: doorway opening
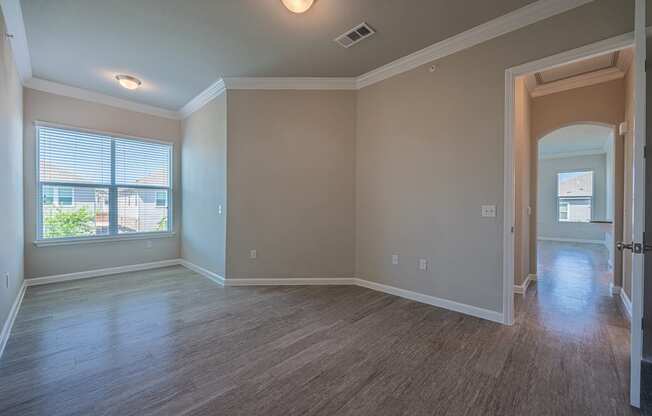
x=569, y=163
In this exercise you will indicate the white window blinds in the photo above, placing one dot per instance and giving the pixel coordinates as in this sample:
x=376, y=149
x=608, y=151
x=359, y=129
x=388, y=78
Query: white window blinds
x=98, y=185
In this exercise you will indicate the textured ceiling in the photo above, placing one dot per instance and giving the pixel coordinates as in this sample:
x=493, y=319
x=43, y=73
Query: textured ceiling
x=178, y=48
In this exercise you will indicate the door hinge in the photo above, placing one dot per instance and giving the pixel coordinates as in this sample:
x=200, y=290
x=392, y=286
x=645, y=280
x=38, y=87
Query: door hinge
x=645, y=152
x=642, y=324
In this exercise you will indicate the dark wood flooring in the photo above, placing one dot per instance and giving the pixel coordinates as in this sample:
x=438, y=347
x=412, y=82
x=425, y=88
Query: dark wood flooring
x=169, y=342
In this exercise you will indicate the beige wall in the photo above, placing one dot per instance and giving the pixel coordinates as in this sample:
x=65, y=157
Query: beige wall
x=11, y=177
x=52, y=260
x=601, y=103
x=430, y=153
x=522, y=158
x=203, y=181
x=628, y=150
x=291, y=183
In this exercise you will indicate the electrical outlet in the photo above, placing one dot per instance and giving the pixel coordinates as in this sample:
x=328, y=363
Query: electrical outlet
x=253, y=254
x=423, y=264
x=148, y=244
x=394, y=258
x=489, y=211
x=219, y=209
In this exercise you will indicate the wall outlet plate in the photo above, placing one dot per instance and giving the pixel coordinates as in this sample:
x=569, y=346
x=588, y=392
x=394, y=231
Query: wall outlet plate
x=394, y=258
x=489, y=211
x=253, y=254
x=423, y=264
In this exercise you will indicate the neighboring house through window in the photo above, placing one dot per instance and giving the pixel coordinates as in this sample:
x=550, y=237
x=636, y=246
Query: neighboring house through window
x=95, y=184
x=575, y=196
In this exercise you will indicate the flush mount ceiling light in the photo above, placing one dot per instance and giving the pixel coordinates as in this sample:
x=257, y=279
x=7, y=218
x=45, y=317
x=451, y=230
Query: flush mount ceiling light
x=128, y=82
x=298, y=6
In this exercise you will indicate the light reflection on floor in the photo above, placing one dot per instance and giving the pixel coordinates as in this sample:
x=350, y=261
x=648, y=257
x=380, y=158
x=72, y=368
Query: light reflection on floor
x=572, y=292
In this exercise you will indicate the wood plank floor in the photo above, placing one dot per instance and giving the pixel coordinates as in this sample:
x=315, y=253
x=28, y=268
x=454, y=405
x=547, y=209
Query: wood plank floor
x=169, y=342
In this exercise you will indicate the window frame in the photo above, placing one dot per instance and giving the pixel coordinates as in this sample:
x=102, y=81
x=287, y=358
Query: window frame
x=113, y=234
x=559, y=198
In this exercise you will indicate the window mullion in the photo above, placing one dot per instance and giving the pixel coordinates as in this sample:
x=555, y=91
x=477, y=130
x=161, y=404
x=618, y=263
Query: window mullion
x=113, y=195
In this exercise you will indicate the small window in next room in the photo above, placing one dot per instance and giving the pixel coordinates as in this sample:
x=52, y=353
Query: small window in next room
x=575, y=196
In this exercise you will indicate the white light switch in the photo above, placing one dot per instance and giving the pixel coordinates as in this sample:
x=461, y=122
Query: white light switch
x=219, y=209
x=423, y=264
x=489, y=211
x=394, y=258
x=252, y=254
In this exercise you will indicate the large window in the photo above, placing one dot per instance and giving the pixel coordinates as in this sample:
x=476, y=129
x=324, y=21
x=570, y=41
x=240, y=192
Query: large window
x=575, y=196
x=96, y=185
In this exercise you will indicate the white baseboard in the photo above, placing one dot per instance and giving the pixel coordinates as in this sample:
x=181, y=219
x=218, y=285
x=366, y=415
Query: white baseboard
x=434, y=301
x=291, y=282
x=627, y=304
x=9, y=322
x=100, y=272
x=418, y=297
x=204, y=272
x=613, y=289
x=571, y=240
x=522, y=289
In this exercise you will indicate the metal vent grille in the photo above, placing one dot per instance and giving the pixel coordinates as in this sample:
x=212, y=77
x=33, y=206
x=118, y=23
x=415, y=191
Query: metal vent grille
x=355, y=35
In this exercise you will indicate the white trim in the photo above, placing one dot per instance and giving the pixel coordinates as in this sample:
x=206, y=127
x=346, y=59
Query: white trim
x=509, y=22
x=517, y=19
x=13, y=15
x=594, y=49
x=613, y=289
x=99, y=98
x=301, y=83
x=522, y=289
x=434, y=301
x=638, y=192
x=317, y=281
x=203, y=98
x=102, y=239
x=572, y=154
x=579, y=81
x=202, y=271
x=37, y=281
x=11, y=318
x=572, y=240
x=415, y=296
x=626, y=303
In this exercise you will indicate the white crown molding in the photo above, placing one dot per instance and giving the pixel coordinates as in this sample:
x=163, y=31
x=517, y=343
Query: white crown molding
x=13, y=15
x=509, y=22
x=301, y=83
x=96, y=97
x=203, y=98
x=578, y=153
x=537, y=11
x=579, y=81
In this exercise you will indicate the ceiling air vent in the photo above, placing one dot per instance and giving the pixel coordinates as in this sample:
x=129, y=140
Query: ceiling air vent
x=355, y=35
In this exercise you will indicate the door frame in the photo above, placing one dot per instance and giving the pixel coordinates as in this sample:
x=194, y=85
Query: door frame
x=638, y=206
x=509, y=203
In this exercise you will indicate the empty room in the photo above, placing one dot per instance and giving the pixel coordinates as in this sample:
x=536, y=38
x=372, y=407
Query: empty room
x=325, y=207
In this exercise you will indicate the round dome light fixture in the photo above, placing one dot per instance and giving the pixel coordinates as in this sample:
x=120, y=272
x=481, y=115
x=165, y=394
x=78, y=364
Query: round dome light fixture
x=298, y=6
x=128, y=82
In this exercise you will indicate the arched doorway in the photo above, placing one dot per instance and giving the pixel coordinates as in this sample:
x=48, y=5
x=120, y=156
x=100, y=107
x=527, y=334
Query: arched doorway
x=575, y=214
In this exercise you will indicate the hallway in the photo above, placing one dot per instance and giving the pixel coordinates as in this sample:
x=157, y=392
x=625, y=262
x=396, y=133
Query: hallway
x=571, y=303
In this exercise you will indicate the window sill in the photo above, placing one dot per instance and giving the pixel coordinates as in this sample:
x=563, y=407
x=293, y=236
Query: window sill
x=102, y=239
